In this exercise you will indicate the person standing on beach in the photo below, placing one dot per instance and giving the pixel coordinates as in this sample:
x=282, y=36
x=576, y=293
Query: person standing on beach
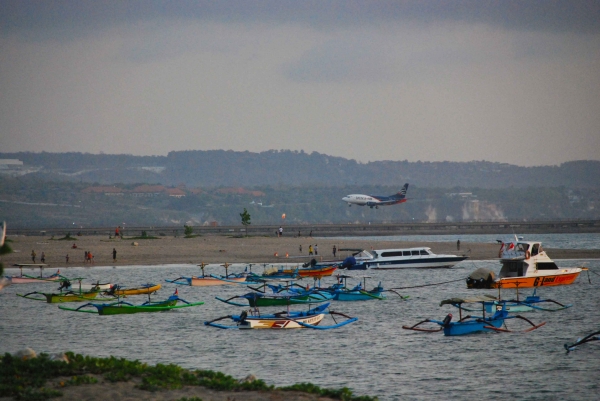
x=114, y=254
x=33, y=255
x=67, y=258
x=85, y=257
x=316, y=249
x=43, y=258
x=310, y=250
x=90, y=257
x=458, y=245
x=280, y=231
x=116, y=232
x=334, y=251
x=300, y=248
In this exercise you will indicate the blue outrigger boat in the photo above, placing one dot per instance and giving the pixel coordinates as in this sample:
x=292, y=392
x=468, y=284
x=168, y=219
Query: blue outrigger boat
x=472, y=324
x=310, y=319
x=529, y=304
x=282, y=298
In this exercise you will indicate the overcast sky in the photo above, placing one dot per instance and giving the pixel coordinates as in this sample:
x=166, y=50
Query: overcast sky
x=506, y=81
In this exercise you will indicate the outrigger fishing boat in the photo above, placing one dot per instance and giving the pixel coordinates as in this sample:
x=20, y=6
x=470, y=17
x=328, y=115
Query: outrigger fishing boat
x=204, y=281
x=117, y=290
x=472, y=324
x=531, y=303
x=282, y=298
x=122, y=307
x=312, y=269
x=26, y=279
x=524, y=265
x=341, y=292
x=253, y=319
x=590, y=337
x=60, y=297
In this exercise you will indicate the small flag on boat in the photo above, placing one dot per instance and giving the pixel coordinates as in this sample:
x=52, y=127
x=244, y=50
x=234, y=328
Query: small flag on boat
x=176, y=292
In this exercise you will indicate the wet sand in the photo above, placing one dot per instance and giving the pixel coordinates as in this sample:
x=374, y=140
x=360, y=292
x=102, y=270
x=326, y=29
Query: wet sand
x=223, y=249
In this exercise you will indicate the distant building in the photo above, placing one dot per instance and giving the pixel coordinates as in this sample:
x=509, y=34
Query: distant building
x=240, y=191
x=106, y=190
x=10, y=163
x=175, y=192
x=148, y=190
x=462, y=195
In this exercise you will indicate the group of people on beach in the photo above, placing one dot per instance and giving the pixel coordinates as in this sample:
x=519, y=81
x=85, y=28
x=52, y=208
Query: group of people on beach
x=34, y=255
x=88, y=257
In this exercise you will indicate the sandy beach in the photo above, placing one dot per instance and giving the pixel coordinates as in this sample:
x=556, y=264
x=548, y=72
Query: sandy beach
x=223, y=249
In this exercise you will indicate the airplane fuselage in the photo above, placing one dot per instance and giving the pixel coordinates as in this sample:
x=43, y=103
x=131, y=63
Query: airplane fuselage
x=374, y=201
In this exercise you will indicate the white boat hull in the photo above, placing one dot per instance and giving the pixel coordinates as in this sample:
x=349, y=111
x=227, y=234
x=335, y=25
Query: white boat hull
x=280, y=323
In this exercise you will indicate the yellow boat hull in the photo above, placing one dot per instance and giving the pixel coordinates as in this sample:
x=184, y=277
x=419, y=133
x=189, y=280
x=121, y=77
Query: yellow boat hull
x=138, y=291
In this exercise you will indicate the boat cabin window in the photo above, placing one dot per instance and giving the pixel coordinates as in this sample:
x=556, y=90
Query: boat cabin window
x=415, y=253
x=423, y=252
x=391, y=254
x=547, y=266
x=374, y=254
x=513, y=268
x=535, y=249
x=522, y=247
x=406, y=253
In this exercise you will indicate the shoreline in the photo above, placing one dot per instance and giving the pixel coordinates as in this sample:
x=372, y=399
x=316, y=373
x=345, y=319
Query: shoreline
x=213, y=249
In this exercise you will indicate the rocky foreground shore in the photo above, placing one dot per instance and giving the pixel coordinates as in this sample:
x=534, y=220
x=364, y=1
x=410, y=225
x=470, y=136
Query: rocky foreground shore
x=224, y=249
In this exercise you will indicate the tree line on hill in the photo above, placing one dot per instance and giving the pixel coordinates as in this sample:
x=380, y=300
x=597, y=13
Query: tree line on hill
x=33, y=201
x=216, y=168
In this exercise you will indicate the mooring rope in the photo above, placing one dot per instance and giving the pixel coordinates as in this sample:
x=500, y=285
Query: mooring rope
x=427, y=285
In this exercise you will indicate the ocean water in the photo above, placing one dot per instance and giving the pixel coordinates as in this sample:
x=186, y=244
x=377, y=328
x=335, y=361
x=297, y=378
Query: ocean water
x=373, y=356
x=559, y=241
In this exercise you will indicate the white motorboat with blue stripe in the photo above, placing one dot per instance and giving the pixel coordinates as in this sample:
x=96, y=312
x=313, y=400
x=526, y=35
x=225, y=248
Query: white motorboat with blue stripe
x=420, y=257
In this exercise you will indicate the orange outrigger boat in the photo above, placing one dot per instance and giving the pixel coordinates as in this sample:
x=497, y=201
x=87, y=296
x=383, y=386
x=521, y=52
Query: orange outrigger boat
x=524, y=265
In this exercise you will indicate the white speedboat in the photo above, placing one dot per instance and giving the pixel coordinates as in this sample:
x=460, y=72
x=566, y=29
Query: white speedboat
x=399, y=259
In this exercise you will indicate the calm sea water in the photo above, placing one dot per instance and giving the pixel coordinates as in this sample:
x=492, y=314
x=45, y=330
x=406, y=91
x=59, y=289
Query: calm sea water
x=559, y=241
x=373, y=356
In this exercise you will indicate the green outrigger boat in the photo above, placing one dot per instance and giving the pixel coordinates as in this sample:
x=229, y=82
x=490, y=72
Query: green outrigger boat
x=122, y=307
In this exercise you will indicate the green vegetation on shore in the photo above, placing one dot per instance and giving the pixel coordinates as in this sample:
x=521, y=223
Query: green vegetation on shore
x=41, y=378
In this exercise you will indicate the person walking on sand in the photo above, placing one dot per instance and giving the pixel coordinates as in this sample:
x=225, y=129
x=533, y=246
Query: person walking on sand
x=316, y=249
x=458, y=245
x=33, y=255
x=90, y=257
x=280, y=231
x=300, y=248
x=43, y=258
x=114, y=254
x=85, y=257
x=310, y=250
x=67, y=258
x=334, y=251
x=116, y=232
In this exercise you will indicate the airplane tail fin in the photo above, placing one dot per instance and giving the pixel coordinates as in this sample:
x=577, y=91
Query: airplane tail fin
x=402, y=193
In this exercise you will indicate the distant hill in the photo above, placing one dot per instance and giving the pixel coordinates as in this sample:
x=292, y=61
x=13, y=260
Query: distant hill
x=215, y=168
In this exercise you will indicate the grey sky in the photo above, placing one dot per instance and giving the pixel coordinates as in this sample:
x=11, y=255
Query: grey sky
x=506, y=81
